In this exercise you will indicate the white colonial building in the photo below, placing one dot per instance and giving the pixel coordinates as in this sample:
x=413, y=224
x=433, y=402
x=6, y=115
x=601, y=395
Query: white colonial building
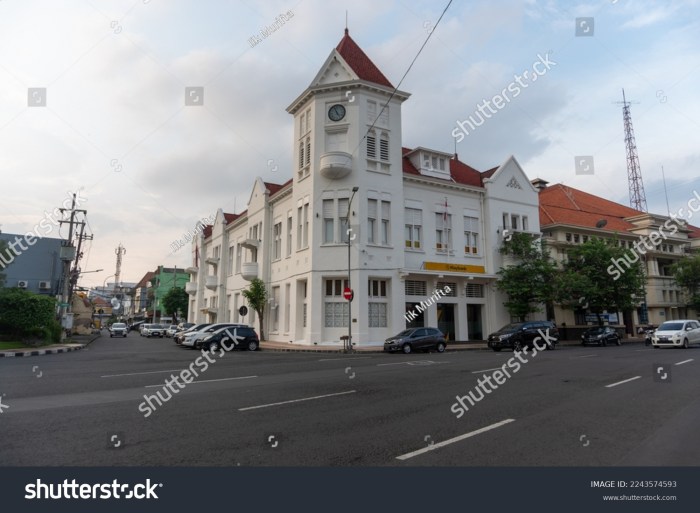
x=419, y=220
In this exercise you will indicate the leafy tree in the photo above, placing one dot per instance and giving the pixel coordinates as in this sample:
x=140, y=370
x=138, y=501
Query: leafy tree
x=590, y=279
x=3, y=251
x=256, y=296
x=175, y=300
x=529, y=283
x=686, y=274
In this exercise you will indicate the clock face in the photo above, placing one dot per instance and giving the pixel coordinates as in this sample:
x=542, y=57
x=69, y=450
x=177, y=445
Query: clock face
x=336, y=112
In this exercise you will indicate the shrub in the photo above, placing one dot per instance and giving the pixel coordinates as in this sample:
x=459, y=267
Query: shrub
x=28, y=315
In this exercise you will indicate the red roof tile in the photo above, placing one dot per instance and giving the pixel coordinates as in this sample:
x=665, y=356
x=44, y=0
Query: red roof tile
x=359, y=62
x=146, y=278
x=560, y=204
x=464, y=174
x=459, y=171
x=694, y=232
x=207, y=231
x=230, y=217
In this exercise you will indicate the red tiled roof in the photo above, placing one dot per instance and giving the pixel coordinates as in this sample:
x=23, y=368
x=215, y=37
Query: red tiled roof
x=464, y=174
x=230, y=217
x=694, y=232
x=560, y=204
x=146, y=278
x=460, y=172
x=207, y=231
x=359, y=62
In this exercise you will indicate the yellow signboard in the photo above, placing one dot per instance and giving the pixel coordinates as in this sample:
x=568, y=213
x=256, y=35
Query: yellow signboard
x=454, y=268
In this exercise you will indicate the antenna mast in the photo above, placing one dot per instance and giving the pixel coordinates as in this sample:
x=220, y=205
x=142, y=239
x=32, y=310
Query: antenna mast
x=638, y=199
x=119, y=251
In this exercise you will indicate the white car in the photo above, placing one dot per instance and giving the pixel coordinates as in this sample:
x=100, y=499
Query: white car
x=118, y=329
x=171, y=330
x=679, y=333
x=191, y=338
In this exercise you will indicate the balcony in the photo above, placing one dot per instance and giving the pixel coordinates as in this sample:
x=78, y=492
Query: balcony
x=192, y=270
x=212, y=260
x=335, y=164
x=211, y=282
x=250, y=244
x=249, y=270
x=191, y=287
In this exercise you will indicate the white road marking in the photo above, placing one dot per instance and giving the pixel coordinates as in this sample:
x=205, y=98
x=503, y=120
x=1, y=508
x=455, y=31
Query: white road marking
x=414, y=362
x=454, y=440
x=296, y=400
x=685, y=361
x=487, y=370
x=584, y=356
x=336, y=359
x=641, y=350
x=621, y=382
x=139, y=373
x=206, y=381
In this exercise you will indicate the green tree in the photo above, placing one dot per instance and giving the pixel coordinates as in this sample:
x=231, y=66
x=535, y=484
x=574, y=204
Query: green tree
x=4, y=252
x=175, y=300
x=256, y=296
x=591, y=281
x=686, y=274
x=529, y=282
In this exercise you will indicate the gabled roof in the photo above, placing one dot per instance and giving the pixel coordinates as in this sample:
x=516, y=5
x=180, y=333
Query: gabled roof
x=230, y=217
x=362, y=65
x=146, y=278
x=560, y=204
x=207, y=231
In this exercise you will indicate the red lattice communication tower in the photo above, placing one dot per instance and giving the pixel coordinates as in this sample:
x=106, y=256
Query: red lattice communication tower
x=638, y=199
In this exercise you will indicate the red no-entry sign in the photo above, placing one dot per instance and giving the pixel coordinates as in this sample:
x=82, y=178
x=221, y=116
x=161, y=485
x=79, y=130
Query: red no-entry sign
x=348, y=293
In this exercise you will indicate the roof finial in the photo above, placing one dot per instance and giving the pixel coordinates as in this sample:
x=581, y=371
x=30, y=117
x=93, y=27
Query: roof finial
x=346, y=22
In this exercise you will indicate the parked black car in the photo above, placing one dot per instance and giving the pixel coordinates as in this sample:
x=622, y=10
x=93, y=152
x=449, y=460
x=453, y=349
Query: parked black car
x=517, y=335
x=231, y=337
x=413, y=339
x=601, y=335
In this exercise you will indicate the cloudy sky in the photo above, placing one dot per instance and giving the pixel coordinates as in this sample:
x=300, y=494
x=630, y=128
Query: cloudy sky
x=115, y=125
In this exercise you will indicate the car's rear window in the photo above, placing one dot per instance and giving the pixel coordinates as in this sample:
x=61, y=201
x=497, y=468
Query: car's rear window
x=671, y=326
x=118, y=325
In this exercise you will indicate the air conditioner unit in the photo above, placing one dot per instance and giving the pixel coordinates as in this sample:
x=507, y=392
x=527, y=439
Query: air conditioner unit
x=44, y=285
x=22, y=284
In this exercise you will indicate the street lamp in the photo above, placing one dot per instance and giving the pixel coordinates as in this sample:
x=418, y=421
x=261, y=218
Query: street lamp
x=349, y=342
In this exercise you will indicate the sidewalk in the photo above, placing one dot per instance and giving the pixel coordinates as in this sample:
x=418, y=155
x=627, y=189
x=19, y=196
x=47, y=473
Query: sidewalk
x=77, y=342
x=451, y=346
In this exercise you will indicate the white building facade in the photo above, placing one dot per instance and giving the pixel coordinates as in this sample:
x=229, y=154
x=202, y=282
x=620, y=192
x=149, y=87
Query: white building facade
x=418, y=220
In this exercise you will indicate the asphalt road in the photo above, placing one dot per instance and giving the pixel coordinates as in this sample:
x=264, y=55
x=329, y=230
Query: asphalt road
x=575, y=406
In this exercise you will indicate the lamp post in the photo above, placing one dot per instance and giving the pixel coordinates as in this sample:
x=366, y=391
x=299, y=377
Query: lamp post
x=104, y=286
x=349, y=342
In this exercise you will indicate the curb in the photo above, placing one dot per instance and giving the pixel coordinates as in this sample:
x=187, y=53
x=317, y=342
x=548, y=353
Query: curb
x=39, y=352
x=355, y=352
x=460, y=347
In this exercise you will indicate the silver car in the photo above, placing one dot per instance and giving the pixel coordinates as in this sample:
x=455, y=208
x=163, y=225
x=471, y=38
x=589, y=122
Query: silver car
x=118, y=329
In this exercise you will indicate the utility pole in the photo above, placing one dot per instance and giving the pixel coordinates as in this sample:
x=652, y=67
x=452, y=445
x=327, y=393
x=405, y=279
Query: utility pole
x=75, y=273
x=68, y=254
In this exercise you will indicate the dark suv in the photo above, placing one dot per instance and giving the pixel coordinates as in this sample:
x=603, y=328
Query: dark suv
x=517, y=335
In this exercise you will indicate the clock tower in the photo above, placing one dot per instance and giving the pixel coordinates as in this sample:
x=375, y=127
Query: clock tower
x=347, y=137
